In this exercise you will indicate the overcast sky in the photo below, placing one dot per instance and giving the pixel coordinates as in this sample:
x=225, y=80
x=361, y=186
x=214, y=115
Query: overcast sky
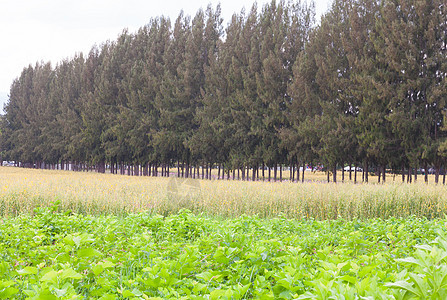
x=52, y=30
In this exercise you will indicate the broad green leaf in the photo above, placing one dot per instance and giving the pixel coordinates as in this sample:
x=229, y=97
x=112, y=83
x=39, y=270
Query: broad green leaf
x=4, y=267
x=410, y=260
x=108, y=297
x=420, y=284
x=242, y=290
x=88, y=252
x=127, y=294
x=287, y=294
x=8, y=292
x=405, y=286
x=198, y=287
x=442, y=279
x=50, y=276
x=27, y=271
x=343, y=266
x=137, y=292
x=217, y=294
x=307, y=295
x=63, y=257
x=424, y=247
x=366, y=270
x=5, y=284
x=45, y=295
x=69, y=240
x=108, y=264
x=70, y=273
x=350, y=279
x=220, y=256
x=206, y=276
x=97, y=269
x=60, y=292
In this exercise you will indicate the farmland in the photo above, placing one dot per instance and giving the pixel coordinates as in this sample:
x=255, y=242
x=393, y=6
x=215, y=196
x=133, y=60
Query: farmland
x=67, y=235
x=99, y=194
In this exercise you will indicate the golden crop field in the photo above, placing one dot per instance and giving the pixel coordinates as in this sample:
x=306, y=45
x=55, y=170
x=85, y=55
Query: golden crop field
x=22, y=190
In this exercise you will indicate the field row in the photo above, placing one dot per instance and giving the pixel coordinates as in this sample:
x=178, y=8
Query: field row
x=21, y=190
x=64, y=256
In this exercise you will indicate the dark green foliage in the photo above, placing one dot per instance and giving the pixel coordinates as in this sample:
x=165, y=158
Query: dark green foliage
x=366, y=86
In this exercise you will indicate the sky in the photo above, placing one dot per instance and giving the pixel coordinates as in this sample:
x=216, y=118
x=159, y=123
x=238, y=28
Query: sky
x=52, y=30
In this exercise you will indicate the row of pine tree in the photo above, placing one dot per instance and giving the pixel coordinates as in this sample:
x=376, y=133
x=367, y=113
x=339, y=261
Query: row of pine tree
x=365, y=86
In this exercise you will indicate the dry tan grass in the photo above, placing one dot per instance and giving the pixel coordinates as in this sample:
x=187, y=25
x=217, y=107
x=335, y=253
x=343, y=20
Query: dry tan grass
x=22, y=190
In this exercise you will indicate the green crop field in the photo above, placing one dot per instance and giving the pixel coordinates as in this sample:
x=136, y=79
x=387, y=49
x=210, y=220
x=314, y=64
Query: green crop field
x=66, y=235
x=68, y=256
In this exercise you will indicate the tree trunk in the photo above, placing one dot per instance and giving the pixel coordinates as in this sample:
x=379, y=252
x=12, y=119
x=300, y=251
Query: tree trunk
x=270, y=171
x=102, y=167
x=334, y=173
x=280, y=173
x=355, y=173
x=304, y=169
x=437, y=174
x=363, y=174
x=426, y=173
x=415, y=174
x=366, y=171
x=275, y=172
x=403, y=172
x=255, y=168
x=384, y=173
x=379, y=173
